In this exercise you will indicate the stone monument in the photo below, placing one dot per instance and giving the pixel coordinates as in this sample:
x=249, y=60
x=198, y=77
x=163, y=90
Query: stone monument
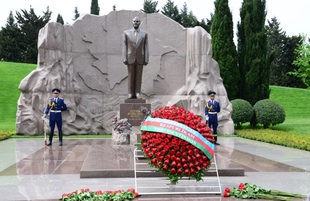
x=84, y=59
x=135, y=55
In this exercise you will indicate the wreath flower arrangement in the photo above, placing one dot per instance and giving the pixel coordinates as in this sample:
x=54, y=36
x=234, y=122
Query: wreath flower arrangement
x=252, y=191
x=177, y=157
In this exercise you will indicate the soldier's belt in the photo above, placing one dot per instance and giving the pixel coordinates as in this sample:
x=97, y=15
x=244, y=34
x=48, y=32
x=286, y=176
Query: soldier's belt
x=55, y=111
x=212, y=112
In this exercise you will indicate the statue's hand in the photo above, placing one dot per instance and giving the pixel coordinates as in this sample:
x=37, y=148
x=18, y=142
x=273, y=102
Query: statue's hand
x=145, y=63
x=125, y=62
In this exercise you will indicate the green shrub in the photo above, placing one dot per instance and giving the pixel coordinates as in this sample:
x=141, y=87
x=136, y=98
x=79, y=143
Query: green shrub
x=242, y=112
x=267, y=112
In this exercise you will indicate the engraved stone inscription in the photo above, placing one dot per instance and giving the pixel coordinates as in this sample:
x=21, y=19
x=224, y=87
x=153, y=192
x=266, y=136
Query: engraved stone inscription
x=134, y=115
x=132, y=111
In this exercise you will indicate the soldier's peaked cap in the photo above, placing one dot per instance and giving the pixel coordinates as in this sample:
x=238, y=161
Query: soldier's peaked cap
x=56, y=91
x=211, y=93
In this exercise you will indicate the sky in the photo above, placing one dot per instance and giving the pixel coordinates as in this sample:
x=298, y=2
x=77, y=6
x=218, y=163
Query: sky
x=292, y=15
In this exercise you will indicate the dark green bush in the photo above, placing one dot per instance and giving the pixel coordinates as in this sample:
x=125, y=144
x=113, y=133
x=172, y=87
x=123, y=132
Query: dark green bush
x=242, y=112
x=267, y=112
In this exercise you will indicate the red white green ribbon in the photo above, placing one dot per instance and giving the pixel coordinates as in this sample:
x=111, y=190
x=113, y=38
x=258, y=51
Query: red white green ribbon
x=181, y=131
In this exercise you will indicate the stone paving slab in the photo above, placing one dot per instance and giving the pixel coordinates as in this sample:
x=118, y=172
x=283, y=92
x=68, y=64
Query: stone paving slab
x=31, y=171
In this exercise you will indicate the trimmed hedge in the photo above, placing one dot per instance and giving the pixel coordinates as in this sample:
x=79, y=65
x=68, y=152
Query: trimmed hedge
x=267, y=112
x=242, y=112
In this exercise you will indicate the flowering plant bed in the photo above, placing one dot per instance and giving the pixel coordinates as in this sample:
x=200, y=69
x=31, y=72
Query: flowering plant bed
x=252, y=191
x=5, y=135
x=177, y=143
x=86, y=194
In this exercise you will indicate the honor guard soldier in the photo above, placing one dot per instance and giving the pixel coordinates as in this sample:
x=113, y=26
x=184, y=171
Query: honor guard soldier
x=211, y=110
x=54, y=107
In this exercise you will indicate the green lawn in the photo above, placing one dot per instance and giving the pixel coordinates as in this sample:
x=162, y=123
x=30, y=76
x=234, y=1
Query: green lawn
x=11, y=75
x=297, y=108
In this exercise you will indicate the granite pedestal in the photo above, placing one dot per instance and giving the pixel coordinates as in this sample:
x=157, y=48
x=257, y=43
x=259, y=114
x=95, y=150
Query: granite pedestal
x=132, y=110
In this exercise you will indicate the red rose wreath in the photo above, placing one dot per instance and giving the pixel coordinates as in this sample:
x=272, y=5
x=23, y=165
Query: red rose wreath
x=171, y=155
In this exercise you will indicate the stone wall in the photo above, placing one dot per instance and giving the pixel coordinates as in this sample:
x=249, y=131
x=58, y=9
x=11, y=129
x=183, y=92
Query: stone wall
x=84, y=60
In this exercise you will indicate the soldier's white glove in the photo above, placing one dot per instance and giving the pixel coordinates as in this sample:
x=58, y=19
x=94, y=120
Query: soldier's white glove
x=43, y=117
x=207, y=118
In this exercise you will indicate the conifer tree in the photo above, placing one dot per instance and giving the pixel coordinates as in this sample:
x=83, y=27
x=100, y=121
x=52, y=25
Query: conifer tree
x=94, y=8
x=30, y=24
x=10, y=41
x=188, y=19
x=281, y=49
x=60, y=19
x=254, y=64
x=76, y=14
x=172, y=11
x=149, y=6
x=223, y=47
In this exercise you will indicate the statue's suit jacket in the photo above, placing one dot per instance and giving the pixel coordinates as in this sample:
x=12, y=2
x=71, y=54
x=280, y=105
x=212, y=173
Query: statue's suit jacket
x=135, y=48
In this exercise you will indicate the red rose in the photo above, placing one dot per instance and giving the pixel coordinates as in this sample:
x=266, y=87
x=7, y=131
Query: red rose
x=241, y=186
x=172, y=155
x=185, y=166
x=154, y=161
x=225, y=194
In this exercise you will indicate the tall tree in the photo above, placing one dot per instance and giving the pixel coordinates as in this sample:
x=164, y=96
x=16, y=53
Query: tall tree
x=94, y=8
x=188, y=19
x=60, y=19
x=76, y=14
x=223, y=47
x=302, y=62
x=10, y=46
x=149, y=6
x=254, y=65
x=289, y=56
x=281, y=51
x=30, y=25
x=206, y=23
x=276, y=38
x=172, y=11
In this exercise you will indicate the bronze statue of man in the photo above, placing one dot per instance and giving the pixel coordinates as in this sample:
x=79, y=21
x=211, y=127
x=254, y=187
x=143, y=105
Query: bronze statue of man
x=135, y=55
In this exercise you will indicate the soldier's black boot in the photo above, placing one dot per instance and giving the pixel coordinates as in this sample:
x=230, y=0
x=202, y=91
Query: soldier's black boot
x=60, y=138
x=215, y=138
x=50, y=139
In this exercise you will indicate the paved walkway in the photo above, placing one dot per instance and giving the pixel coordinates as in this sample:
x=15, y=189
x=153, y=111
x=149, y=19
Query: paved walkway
x=31, y=171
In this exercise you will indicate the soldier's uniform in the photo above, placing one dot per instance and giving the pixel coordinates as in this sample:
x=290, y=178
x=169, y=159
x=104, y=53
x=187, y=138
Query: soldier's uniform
x=54, y=107
x=211, y=109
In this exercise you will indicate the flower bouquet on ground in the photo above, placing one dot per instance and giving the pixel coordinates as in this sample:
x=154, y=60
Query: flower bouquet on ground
x=252, y=191
x=86, y=194
x=177, y=143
